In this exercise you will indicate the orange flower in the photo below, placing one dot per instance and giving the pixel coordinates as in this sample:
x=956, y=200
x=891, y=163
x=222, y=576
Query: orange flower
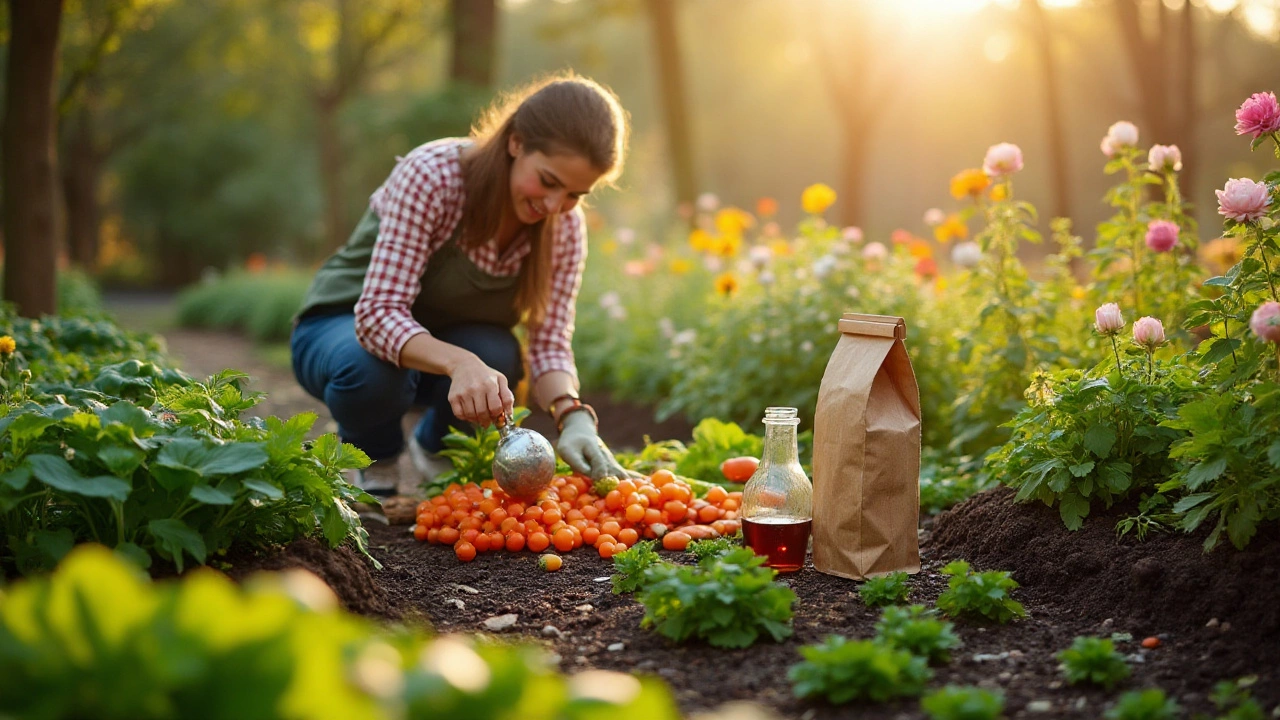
x=700, y=240
x=7, y=345
x=726, y=284
x=732, y=221
x=920, y=249
x=901, y=237
x=953, y=228
x=969, y=183
x=766, y=207
x=926, y=267
x=780, y=248
x=1000, y=192
x=256, y=262
x=728, y=245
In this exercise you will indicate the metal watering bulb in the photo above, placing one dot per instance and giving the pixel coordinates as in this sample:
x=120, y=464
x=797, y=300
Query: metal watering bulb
x=524, y=463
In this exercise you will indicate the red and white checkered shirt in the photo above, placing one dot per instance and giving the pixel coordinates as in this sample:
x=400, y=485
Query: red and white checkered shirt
x=418, y=207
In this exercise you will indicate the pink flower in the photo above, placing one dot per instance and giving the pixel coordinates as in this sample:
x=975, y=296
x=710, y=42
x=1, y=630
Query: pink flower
x=1148, y=332
x=1243, y=200
x=852, y=234
x=1165, y=158
x=1120, y=135
x=1162, y=235
x=874, y=251
x=1002, y=159
x=1266, y=322
x=1259, y=115
x=934, y=217
x=1108, y=320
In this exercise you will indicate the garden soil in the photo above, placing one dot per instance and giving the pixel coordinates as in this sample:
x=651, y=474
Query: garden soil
x=1217, y=615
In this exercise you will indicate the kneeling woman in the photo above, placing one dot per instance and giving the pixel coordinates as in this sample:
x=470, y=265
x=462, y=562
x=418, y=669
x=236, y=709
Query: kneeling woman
x=467, y=238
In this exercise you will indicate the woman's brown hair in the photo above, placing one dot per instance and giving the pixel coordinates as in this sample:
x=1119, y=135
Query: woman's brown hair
x=561, y=114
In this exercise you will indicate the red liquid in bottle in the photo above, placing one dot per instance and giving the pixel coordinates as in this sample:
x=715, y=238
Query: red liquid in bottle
x=783, y=539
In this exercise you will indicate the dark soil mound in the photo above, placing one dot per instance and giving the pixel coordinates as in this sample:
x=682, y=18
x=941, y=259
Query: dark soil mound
x=343, y=570
x=1167, y=584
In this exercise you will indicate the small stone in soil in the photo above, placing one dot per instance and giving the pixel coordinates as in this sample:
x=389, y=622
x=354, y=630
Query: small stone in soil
x=1039, y=706
x=601, y=579
x=457, y=603
x=498, y=623
x=466, y=589
x=987, y=657
x=616, y=647
x=1224, y=627
x=1213, y=622
x=552, y=631
x=1055, y=684
x=585, y=608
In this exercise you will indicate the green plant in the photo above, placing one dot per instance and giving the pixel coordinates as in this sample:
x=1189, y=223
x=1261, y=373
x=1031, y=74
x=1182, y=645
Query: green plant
x=631, y=565
x=1094, y=661
x=96, y=639
x=703, y=549
x=984, y=594
x=891, y=589
x=729, y=601
x=1144, y=705
x=261, y=305
x=713, y=443
x=1093, y=437
x=946, y=481
x=1235, y=701
x=842, y=670
x=471, y=455
x=918, y=631
x=963, y=703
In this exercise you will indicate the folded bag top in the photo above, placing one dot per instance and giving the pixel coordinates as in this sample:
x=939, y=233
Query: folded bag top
x=866, y=453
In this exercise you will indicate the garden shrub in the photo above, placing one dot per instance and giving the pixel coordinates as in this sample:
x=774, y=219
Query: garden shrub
x=842, y=670
x=890, y=589
x=1234, y=700
x=918, y=631
x=979, y=595
x=728, y=601
x=260, y=304
x=1094, y=661
x=1144, y=705
x=963, y=703
x=96, y=639
x=65, y=352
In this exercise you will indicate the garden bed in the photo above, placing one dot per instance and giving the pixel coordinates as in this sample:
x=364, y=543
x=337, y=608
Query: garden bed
x=1083, y=583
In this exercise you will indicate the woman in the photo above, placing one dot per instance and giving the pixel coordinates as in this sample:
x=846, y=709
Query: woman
x=467, y=238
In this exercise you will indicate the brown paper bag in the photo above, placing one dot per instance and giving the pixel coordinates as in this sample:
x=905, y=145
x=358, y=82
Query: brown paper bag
x=866, y=453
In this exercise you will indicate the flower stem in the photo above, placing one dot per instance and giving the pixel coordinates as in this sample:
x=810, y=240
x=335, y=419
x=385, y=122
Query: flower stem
x=1263, y=252
x=1226, y=332
x=1116, y=349
x=1150, y=368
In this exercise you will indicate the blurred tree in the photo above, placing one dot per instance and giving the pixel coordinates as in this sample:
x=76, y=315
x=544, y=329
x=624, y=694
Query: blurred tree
x=29, y=164
x=675, y=111
x=1055, y=113
x=475, y=26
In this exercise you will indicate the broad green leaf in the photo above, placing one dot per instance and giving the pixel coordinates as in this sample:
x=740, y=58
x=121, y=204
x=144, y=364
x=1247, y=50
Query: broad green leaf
x=134, y=554
x=233, y=458
x=1073, y=509
x=175, y=537
x=183, y=454
x=1205, y=471
x=265, y=488
x=1099, y=440
x=1220, y=349
x=1273, y=454
x=54, y=544
x=211, y=495
x=58, y=473
x=29, y=426
x=121, y=461
x=1190, y=501
x=1243, y=523
x=17, y=478
x=127, y=414
x=1082, y=469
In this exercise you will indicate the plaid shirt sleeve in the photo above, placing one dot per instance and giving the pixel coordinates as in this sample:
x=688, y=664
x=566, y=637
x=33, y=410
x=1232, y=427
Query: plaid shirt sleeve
x=551, y=342
x=414, y=208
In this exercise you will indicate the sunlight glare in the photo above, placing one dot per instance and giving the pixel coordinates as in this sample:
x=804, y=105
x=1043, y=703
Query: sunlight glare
x=998, y=47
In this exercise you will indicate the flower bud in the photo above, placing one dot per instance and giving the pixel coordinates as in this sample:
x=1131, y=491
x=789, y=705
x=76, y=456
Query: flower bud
x=1162, y=235
x=1122, y=134
x=1265, y=322
x=1002, y=159
x=1148, y=332
x=1108, y=320
x=1164, y=158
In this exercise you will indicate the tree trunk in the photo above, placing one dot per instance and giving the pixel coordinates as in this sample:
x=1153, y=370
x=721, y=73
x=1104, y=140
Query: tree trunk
x=474, y=50
x=81, y=170
x=666, y=44
x=856, y=140
x=1146, y=63
x=27, y=142
x=1059, y=169
x=1189, y=105
x=331, y=164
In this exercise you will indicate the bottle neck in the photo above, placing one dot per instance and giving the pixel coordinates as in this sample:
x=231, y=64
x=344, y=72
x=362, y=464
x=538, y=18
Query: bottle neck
x=780, y=446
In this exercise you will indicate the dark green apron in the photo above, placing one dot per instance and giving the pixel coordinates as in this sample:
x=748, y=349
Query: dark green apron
x=453, y=290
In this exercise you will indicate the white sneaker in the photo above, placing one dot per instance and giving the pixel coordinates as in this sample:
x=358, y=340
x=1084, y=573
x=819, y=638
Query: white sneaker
x=428, y=464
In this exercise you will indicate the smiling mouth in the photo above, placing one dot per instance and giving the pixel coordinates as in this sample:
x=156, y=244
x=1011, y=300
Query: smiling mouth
x=537, y=214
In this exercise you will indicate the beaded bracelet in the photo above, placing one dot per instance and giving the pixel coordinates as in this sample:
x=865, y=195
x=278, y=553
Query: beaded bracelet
x=577, y=405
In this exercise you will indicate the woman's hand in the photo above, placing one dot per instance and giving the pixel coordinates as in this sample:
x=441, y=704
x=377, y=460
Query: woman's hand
x=479, y=394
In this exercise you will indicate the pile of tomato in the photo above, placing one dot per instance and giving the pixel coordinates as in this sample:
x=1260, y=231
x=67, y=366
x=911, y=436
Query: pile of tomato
x=482, y=518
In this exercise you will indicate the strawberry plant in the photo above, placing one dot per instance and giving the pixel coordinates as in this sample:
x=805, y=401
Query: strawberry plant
x=979, y=595
x=888, y=589
x=1144, y=705
x=729, y=601
x=842, y=670
x=918, y=631
x=1094, y=661
x=630, y=566
x=963, y=703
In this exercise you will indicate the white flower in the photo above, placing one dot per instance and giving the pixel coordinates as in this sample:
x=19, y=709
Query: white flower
x=757, y=338
x=610, y=299
x=617, y=312
x=801, y=273
x=823, y=266
x=1120, y=135
x=806, y=346
x=934, y=217
x=666, y=327
x=875, y=251
x=840, y=247
x=853, y=292
x=685, y=337
x=966, y=254
x=708, y=202
x=744, y=266
x=766, y=278
x=760, y=255
x=625, y=236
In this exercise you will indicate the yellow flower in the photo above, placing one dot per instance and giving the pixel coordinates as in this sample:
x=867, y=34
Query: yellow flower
x=920, y=249
x=953, y=228
x=780, y=248
x=1078, y=293
x=816, y=198
x=680, y=266
x=969, y=183
x=728, y=245
x=732, y=221
x=7, y=345
x=609, y=247
x=700, y=240
x=1000, y=192
x=726, y=284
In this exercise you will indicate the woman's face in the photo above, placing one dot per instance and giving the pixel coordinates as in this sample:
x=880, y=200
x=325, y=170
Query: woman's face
x=543, y=185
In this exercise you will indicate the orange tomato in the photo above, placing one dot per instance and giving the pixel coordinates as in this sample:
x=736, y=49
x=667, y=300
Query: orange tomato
x=628, y=536
x=635, y=513
x=614, y=500
x=563, y=539
x=675, y=540
x=676, y=510
x=550, y=563
x=515, y=542
x=662, y=477
x=590, y=535
x=538, y=541
x=610, y=528
x=626, y=487
x=710, y=513
x=465, y=551
x=603, y=538
x=420, y=532
x=551, y=517
x=739, y=469
x=716, y=495
x=449, y=535
x=606, y=550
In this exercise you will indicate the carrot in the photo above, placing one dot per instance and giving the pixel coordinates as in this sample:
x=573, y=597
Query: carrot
x=550, y=563
x=465, y=551
x=700, y=532
x=675, y=540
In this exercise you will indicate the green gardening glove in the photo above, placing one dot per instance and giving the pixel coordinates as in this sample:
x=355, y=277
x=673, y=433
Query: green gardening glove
x=582, y=449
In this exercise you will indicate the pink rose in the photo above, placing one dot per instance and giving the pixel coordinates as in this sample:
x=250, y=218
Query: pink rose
x=1162, y=235
x=1148, y=332
x=1266, y=322
x=1259, y=115
x=1243, y=200
x=1108, y=320
x=1164, y=158
x=1107, y=147
x=1120, y=135
x=1002, y=159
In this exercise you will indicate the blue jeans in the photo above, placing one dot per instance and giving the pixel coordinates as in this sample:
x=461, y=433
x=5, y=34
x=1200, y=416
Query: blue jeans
x=368, y=396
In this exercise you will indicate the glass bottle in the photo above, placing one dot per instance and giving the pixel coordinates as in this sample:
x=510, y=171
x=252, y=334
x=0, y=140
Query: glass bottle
x=777, y=502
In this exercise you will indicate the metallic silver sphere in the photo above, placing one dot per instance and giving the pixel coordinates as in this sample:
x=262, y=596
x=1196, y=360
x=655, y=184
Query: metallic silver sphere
x=524, y=463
